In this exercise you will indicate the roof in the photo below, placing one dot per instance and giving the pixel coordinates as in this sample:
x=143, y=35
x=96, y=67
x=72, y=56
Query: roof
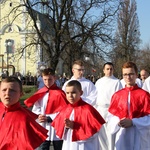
x=45, y=22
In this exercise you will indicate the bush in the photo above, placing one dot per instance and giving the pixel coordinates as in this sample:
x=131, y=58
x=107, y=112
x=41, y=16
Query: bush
x=28, y=91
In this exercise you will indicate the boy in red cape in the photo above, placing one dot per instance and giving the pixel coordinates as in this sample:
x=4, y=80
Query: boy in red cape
x=18, y=128
x=78, y=123
x=47, y=102
x=129, y=114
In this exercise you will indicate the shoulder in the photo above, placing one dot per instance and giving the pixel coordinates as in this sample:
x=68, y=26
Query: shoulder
x=142, y=92
x=59, y=91
x=22, y=114
x=147, y=80
x=116, y=79
x=1, y=104
x=120, y=92
x=99, y=80
x=87, y=81
x=85, y=106
x=39, y=78
x=87, y=84
x=122, y=80
x=87, y=110
x=25, y=115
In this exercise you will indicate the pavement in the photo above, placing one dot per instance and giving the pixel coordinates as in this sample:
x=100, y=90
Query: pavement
x=51, y=148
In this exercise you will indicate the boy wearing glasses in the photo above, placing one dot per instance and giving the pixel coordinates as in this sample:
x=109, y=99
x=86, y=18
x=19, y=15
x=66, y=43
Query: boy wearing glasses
x=129, y=113
x=89, y=89
x=138, y=81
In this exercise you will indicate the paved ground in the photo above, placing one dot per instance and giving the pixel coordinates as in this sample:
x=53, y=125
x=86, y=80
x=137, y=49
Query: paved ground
x=51, y=147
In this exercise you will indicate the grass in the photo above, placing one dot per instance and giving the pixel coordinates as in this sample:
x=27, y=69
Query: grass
x=28, y=91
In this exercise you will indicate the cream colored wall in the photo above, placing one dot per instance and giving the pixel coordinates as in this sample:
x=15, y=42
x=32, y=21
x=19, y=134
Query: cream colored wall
x=28, y=61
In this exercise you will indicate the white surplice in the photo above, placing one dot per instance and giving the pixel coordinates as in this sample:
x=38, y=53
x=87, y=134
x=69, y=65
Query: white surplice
x=39, y=108
x=146, y=84
x=106, y=87
x=132, y=138
x=91, y=143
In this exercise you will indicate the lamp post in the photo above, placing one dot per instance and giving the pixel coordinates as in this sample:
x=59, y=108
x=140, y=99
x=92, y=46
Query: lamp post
x=2, y=63
x=87, y=59
x=8, y=44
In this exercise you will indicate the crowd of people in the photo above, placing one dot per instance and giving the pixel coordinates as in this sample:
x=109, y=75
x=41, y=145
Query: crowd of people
x=78, y=114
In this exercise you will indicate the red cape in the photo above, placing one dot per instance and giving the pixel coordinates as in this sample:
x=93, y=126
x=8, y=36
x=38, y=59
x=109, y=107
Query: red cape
x=56, y=99
x=87, y=121
x=19, y=130
x=139, y=103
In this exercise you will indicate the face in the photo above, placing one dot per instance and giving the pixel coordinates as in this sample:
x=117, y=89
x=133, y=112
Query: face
x=129, y=76
x=10, y=93
x=143, y=74
x=73, y=94
x=108, y=70
x=48, y=80
x=78, y=71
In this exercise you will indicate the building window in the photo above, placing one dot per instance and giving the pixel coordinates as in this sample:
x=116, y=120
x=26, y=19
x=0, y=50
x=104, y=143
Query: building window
x=9, y=46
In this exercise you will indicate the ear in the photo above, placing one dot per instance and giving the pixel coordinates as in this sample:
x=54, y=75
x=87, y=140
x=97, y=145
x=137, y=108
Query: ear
x=81, y=92
x=21, y=94
x=72, y=70
x=103, y=71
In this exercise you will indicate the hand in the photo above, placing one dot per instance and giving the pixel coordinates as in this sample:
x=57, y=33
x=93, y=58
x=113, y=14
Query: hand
x=69, y=123
x=125, y=123
x=42, y=118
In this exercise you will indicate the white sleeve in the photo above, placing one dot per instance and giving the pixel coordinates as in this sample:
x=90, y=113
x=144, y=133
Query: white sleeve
x=36, y=108
x=146, y=86
x=112, y=123
x=92, y=95
x=118, y=86
x=142, y=123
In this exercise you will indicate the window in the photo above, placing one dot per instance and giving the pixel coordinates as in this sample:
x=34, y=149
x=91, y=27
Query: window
x=9, y=46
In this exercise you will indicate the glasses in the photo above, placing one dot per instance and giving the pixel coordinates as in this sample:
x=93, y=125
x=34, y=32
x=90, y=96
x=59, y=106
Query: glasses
x=79, y=69
x=128, y=75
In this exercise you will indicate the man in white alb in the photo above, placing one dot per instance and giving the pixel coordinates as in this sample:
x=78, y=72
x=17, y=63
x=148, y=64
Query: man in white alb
x=144, y=74
x=106, y=87
x=146, y=84
x=89, y=90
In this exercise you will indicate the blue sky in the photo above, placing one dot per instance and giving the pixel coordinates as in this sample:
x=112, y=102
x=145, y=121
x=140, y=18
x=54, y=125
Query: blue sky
x=143, y=11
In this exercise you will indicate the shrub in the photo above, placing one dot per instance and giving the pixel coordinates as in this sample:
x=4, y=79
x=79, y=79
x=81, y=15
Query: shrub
x=28, y=91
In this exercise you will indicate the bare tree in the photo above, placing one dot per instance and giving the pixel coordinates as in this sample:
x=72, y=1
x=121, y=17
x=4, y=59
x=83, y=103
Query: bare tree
x=143, y=56
x=75, y=27
x=127, y=37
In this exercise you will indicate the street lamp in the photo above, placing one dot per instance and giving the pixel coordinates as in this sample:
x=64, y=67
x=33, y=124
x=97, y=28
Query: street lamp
x=8, y=45
x=2, y=63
